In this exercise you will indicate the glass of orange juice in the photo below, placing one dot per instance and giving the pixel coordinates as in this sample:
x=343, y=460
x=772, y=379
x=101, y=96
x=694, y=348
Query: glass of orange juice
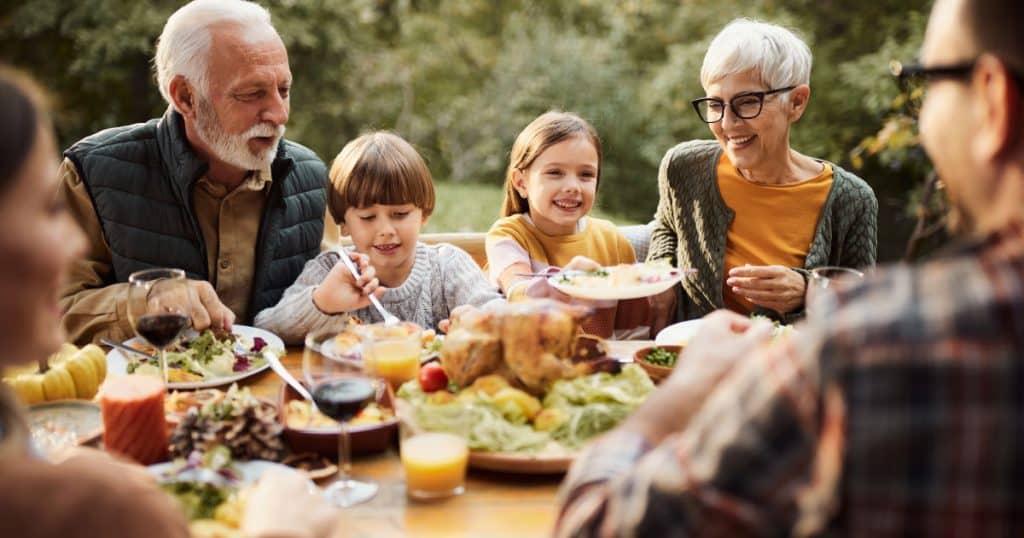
x=434, y=463
x=392, y=352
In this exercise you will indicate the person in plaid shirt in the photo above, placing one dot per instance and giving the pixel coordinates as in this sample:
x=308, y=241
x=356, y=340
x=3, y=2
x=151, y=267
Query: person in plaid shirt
x=898, y=409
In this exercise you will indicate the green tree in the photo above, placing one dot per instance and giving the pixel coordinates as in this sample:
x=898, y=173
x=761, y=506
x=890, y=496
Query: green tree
x=460, y=78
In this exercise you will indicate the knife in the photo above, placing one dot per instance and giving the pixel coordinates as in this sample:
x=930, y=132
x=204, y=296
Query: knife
x=129, y=349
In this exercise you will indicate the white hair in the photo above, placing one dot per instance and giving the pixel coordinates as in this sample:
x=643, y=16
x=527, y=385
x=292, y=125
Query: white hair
x=183, y=46
x=775, y=54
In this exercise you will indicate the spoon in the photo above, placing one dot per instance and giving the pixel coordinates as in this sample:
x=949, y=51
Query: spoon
x=389, y=318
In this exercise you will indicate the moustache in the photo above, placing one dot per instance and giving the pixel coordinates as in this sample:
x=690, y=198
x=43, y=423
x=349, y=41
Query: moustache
x=264, y=130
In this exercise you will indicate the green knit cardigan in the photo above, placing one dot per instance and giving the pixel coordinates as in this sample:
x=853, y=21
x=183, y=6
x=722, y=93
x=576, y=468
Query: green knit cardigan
x=692, y=220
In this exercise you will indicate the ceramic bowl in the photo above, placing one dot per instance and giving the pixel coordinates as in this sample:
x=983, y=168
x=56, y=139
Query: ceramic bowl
x=657, y=372
x=363, y=438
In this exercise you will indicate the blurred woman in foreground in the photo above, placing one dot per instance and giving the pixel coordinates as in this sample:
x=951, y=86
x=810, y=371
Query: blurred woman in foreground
x=89, y=493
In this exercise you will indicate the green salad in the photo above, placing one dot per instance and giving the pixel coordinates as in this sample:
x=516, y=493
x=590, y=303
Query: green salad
x=208, y=356
x=201, y=483
x=661, y=357
x=499, y=418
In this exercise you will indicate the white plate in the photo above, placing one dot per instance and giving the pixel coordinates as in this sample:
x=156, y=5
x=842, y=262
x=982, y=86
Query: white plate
x=603, y=293
x=678, y=334
x=117, y=363
x=250, y=471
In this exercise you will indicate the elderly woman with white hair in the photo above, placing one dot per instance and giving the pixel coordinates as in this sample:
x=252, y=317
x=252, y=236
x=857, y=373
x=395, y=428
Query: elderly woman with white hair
x=751, y=214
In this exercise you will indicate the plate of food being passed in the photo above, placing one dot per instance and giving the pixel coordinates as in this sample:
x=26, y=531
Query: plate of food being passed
x=625, y=281
x=203, y=360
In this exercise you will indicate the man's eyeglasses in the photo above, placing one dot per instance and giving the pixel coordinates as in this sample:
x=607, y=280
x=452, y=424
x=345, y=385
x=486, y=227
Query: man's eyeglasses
x=746, y=105
x=914, y=77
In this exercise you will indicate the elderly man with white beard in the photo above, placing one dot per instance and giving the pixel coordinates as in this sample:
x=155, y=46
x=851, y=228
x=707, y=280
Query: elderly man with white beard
x=212, y=187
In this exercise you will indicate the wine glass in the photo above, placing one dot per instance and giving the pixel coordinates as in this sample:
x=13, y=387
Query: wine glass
x=825, y=279
x=158, y=308
x=341, y=389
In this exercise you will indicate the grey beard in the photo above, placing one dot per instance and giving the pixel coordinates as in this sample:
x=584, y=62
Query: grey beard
x=234, y=149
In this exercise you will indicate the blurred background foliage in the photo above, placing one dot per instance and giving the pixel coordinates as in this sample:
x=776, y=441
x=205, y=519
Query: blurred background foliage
x=460, y=78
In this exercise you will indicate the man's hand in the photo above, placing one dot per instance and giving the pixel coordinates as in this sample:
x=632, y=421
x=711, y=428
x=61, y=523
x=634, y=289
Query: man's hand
x=723, y=340
x=196, y=299
x=772, y=286
x=341, y=292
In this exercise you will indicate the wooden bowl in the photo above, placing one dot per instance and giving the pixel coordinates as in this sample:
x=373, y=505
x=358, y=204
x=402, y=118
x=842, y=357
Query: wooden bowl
x=657, y=372
x=363, y=438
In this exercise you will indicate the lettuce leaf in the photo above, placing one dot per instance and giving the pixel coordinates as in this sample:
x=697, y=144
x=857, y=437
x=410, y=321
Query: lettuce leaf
x=596, y=403
x=488, y=429
x=630, y=387
x=591, y=404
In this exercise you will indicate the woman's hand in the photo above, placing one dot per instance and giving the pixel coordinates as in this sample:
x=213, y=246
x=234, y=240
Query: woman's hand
x=772, y=286
x=282, y=505
x=91, y=457
x=342, y=292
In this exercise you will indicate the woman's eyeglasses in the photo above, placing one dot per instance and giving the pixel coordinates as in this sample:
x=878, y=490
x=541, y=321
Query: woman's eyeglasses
x=746, y=105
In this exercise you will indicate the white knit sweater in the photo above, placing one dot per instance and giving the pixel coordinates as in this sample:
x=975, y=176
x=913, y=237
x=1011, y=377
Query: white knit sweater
x=443, y=277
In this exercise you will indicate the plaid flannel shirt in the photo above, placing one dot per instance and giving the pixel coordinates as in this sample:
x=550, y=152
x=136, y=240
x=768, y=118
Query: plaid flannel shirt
x=900, y=414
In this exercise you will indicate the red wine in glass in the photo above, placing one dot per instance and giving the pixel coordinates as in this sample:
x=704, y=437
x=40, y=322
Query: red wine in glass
x=343, y=399
x=161, y=329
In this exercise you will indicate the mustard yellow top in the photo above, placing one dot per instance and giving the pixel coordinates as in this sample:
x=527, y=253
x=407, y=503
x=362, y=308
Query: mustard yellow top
x=774, y=224
x=516, y=239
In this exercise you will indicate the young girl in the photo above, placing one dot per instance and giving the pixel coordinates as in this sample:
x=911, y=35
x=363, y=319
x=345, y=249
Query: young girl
x=381, y=194
x=549, y=190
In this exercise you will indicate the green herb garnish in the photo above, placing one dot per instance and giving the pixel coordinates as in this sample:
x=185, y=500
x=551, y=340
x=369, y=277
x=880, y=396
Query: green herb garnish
x=661, y=357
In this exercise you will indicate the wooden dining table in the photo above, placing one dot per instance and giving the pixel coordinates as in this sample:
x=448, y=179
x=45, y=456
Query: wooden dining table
x=493, y=504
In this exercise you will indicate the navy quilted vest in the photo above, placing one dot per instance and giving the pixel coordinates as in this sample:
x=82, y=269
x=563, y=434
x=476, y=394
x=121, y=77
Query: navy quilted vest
x=140, y=178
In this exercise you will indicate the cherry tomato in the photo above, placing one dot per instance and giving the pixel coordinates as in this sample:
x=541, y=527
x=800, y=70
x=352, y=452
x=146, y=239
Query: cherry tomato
x=432, y=377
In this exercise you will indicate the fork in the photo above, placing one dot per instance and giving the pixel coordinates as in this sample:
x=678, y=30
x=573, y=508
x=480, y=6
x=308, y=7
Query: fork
x=389, y=318
x=545, y=275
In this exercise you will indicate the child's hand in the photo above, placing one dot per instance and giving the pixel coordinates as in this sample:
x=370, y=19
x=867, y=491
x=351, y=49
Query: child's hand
x=341, y=292
x=455, y=314
x=581, y=263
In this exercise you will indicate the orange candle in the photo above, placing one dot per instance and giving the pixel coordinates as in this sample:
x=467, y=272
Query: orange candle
x=133, y=418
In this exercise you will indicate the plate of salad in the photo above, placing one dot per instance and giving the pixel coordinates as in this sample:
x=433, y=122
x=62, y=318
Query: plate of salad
x=203, y=360
x=625, y=281
x=212, y=490
x=511, y=431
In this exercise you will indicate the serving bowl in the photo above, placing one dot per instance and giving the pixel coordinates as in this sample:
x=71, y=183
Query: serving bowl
x=363, y=438
x=657, y=372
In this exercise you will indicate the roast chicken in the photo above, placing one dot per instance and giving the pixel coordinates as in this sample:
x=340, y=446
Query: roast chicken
x=530, y=343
